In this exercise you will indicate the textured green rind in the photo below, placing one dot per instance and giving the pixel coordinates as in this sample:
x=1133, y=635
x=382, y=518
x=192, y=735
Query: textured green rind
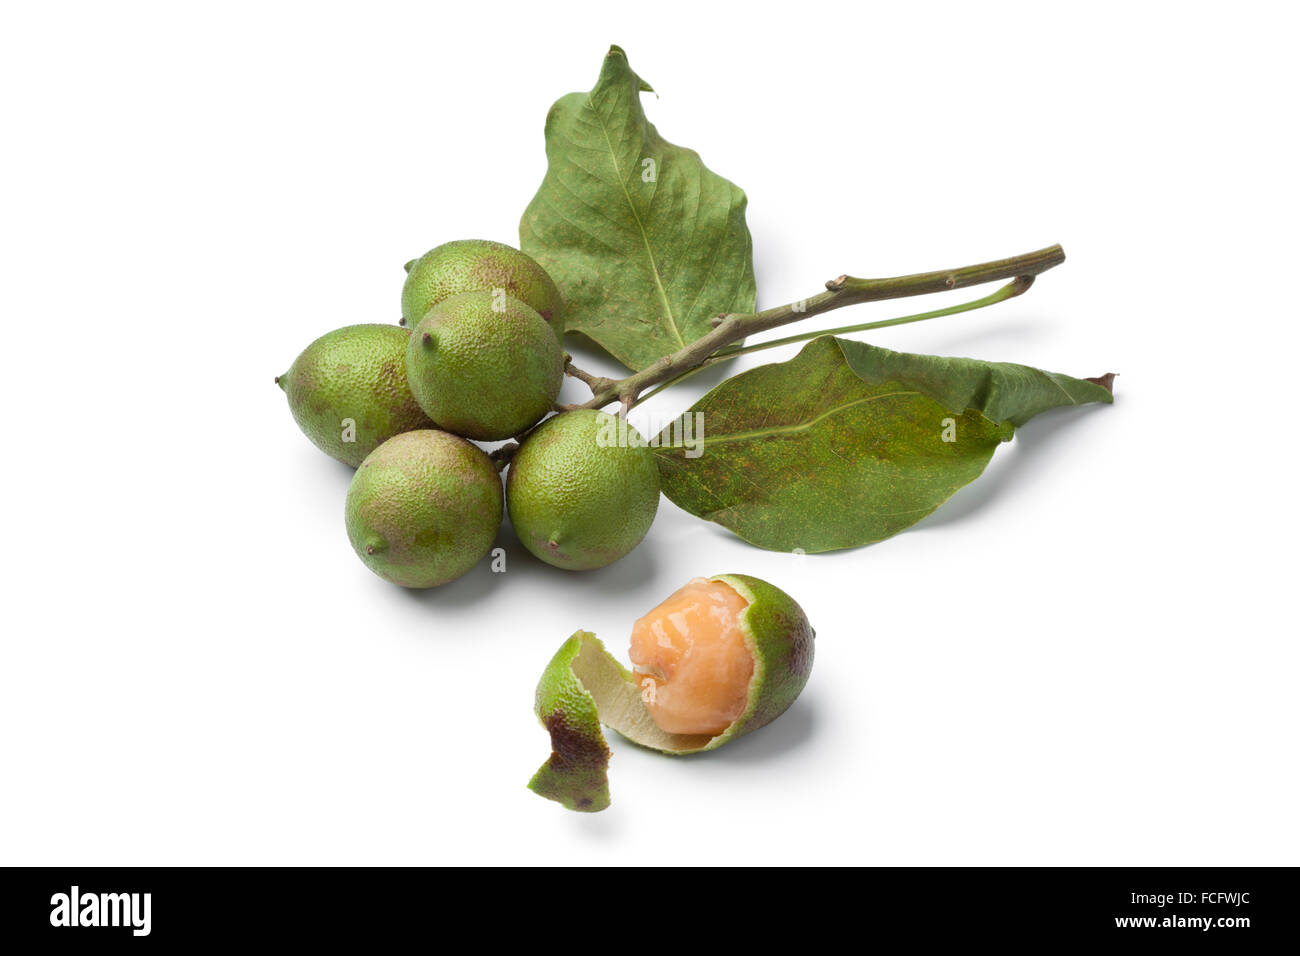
x=643, y=265
x=845, y=443
x=781, y=639
x=479, y=265
x=575, y=774
x=357, y=372
x=578, y=501
x=424, y=508
x=482, y=373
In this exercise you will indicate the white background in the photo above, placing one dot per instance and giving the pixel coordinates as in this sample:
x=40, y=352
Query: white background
x=1086, y=657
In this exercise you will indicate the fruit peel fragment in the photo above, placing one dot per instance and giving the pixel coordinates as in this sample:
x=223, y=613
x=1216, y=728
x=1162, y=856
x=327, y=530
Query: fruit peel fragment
x=575, y=774
x=781, y=640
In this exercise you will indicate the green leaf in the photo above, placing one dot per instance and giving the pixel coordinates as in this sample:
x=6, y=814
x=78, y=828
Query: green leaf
x=645, y=243
x=848, y=443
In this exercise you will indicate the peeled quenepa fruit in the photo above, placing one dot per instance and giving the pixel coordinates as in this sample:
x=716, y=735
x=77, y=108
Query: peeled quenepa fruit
x=721, y=657
x=348, y=391
x=484, y=366
x=479, y=265
x=423, y=508
x=692, y=660
x=582, y=490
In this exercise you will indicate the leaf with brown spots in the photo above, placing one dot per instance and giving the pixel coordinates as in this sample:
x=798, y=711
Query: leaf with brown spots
x=848, y=443
x=645, y=242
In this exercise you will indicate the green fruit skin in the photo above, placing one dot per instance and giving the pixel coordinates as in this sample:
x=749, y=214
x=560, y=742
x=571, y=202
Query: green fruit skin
x=578, y=502
x=479, y=265
x=358, y=373
x=575, y=775
x=781, y=639
x=483, y=373
x=424, y=508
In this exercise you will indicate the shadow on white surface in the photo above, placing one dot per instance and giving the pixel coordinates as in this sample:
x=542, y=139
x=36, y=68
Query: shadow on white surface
x=481, y=584
x=340, y=471
x=791, y=731
x=981, y=343
x=596, y=827
x=318, y=466
x=625, y=574
x=471, y=589
x=1013, y=465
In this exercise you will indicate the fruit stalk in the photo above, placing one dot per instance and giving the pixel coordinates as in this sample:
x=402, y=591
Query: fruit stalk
x=1009, y=291
x=729, y=329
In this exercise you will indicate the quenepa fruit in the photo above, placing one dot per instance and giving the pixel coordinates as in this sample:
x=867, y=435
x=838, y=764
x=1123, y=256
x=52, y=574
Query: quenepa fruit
x=692, y=659
x=722, y=657
x=423, y=508
x=582, y=490
x=484, y=366
x=479, y=265
x=348, y=391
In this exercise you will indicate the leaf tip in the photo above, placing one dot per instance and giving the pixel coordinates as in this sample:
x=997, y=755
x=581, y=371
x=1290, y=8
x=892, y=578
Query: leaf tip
x=617, y=52
x=1106, y=381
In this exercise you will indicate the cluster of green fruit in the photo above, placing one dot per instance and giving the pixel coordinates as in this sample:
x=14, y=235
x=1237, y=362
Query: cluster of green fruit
x=481, y=359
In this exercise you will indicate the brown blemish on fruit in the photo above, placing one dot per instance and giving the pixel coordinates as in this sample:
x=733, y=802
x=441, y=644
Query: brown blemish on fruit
x=571, y=748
